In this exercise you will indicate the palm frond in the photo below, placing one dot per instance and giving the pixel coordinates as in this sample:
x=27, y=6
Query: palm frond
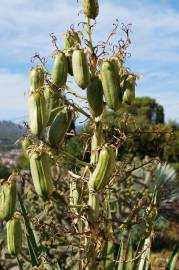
x=167, y=191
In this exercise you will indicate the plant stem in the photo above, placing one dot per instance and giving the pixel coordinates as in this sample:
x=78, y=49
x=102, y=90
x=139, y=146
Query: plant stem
x=90, y=45
x=78, y=161
x=77, y=108
x=88, y=30
x=71, y=91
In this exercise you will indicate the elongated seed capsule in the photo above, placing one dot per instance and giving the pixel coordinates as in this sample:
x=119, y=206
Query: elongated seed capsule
x=25, y=145
x=115, y=60
x=117, y=67
x=95, y=96
x=14, y=236
x=69, y=60
x=128, y=96
x=110, y=169
x=41, y=174
x=129, y=92
x=59, y=127
x=8, y=196
x=36, y=78
x=37, y=113
x=110, y=85
x=71, y=39
x=98, y=176
x=80, y=68
x=59, y=70
x=52, y=101
x=123, y=73
x=103, y=171
x=91, y=8
x=53, y=114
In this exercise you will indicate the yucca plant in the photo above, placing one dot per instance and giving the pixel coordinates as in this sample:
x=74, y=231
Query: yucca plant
x=83, y=216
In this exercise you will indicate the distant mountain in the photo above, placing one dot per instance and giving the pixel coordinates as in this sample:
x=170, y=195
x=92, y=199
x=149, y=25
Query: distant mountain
x=9, y=133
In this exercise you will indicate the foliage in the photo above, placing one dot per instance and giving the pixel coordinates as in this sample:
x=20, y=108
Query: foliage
x=138, y=137
x=4, y=172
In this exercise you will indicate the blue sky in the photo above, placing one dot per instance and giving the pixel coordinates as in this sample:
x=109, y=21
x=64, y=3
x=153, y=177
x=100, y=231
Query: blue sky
x=25, y=26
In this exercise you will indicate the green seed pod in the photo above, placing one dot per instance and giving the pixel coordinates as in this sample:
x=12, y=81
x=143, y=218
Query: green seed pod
x=71, y=39
x=53, y=114
x=128, y=96
x=41, y=174
x=36, y=78
x=93, y=204
x=129, y=92
x=117, y=67
x=80, y=68
x=110, y=85
x=37, y=113
x=52, y=101
x=14, y=236
x=59, y=127
x=101, y=175
x=115, y=60
x=110, y=167
x=95, y=96
x=130, y=81
x=8, y=194
x=123, y=73
x=25, y=145
x=69, y=60
x=91, y=8
x=59, y=70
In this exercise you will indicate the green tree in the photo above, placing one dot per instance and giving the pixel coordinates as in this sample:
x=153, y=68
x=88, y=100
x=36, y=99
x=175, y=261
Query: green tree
x=4, y=171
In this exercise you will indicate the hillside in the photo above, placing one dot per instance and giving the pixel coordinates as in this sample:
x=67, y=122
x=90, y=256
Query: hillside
x=9, y=133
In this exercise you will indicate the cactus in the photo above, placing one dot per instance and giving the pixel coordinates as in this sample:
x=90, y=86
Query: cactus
x=80, y=68
x=59, y=70
x=41, y=174
x=14, y=236
x=8, y=196
x=59, y=127
x=110, y=84
x=37, y=113
x=91, y=8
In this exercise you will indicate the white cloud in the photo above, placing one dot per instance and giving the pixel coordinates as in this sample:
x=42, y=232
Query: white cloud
x=12, y=101
x=26, y=24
